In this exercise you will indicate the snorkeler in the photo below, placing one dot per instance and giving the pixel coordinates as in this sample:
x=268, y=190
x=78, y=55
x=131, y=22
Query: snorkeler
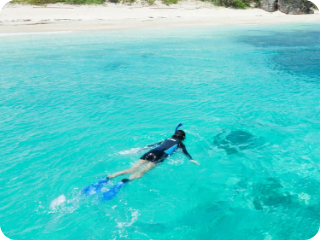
x=157, y=155
x=160, y=151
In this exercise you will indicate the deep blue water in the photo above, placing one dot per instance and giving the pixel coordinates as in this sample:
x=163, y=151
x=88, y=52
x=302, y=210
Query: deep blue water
x=78, y=106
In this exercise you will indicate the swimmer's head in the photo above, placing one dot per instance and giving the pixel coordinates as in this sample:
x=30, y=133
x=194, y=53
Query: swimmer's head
x=181, y=135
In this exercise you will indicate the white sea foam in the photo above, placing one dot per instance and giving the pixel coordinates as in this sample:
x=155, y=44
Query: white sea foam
x=304, y=197
x=62, y=205
x=130, y=151
x=33, y=33
x=134, y=217
x=175, y=162
x=57, y=202
x=267, y=236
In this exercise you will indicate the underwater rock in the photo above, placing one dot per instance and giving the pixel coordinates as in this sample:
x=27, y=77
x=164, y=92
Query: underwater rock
x=270, y=193
x=266, y=194
x=116, y=66
x=239, y=137
x=147, y=54
x=206, y=212
x=235, y=141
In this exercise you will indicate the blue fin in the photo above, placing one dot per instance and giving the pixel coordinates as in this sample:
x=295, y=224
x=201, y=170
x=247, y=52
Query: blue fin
x=107, y=196
x=93, y=188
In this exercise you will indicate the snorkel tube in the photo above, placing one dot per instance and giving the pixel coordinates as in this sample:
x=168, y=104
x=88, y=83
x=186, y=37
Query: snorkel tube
x=179, y=125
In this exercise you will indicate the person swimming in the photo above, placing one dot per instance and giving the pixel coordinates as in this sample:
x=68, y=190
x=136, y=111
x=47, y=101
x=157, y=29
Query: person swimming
x=159, y=152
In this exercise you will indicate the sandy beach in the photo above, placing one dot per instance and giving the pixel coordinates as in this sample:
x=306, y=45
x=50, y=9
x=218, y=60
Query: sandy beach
x=15, y=18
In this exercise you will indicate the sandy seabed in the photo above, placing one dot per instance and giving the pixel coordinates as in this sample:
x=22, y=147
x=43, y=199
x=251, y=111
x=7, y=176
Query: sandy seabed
x=16, y=18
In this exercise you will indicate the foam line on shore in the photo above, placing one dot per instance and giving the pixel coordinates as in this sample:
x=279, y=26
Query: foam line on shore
x=33, y=33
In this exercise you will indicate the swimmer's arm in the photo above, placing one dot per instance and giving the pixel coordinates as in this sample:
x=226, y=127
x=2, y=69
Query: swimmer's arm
x=185, y=152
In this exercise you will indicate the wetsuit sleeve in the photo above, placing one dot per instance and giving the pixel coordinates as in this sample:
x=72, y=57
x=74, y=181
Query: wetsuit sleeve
x=184, y=150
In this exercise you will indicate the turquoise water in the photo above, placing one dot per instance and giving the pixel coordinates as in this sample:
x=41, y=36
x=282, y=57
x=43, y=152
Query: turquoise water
x=78, y=106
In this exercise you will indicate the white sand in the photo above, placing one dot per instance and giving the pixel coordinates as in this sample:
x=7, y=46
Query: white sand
x=16, y=18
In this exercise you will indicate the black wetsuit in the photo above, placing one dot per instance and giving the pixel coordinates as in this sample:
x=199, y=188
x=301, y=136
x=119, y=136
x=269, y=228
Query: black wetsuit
x=163, y=149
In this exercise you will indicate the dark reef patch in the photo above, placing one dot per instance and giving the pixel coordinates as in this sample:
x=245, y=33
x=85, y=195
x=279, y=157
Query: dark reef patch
x=296, y=52
x=270, y=193
x=147, y=54
x=116, y=66
x=235, y=141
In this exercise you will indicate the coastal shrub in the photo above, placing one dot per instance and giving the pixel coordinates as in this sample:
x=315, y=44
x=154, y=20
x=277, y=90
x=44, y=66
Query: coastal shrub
x=84, y=1
x=314, y=6
x=168, y=2
x=43, y=2
x=128, y=1
x=34, y=2
x=150, y=2
x=221, y=3
x=240, y=4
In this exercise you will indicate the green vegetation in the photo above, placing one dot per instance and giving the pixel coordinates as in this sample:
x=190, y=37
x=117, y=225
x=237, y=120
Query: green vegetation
x=240, y=4
x=99, y=2
x=150, y=2
x=43, y=2
x=314, y=6
x=168, y=2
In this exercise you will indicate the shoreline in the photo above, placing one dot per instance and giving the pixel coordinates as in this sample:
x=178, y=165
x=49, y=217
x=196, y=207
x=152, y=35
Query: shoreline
x=16, y=18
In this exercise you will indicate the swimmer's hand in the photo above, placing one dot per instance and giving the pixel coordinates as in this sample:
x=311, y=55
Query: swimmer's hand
x=195, y=162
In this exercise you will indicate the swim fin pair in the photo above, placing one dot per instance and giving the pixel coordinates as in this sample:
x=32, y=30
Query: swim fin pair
x=108, y=195
x=93, y=188
x=112, y=192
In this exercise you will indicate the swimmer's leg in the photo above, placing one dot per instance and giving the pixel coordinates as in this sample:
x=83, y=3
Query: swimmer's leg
x=136, y=175
x=129, y=170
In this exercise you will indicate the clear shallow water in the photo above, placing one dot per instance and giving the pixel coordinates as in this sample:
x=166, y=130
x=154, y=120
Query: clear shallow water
x=75, y=106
